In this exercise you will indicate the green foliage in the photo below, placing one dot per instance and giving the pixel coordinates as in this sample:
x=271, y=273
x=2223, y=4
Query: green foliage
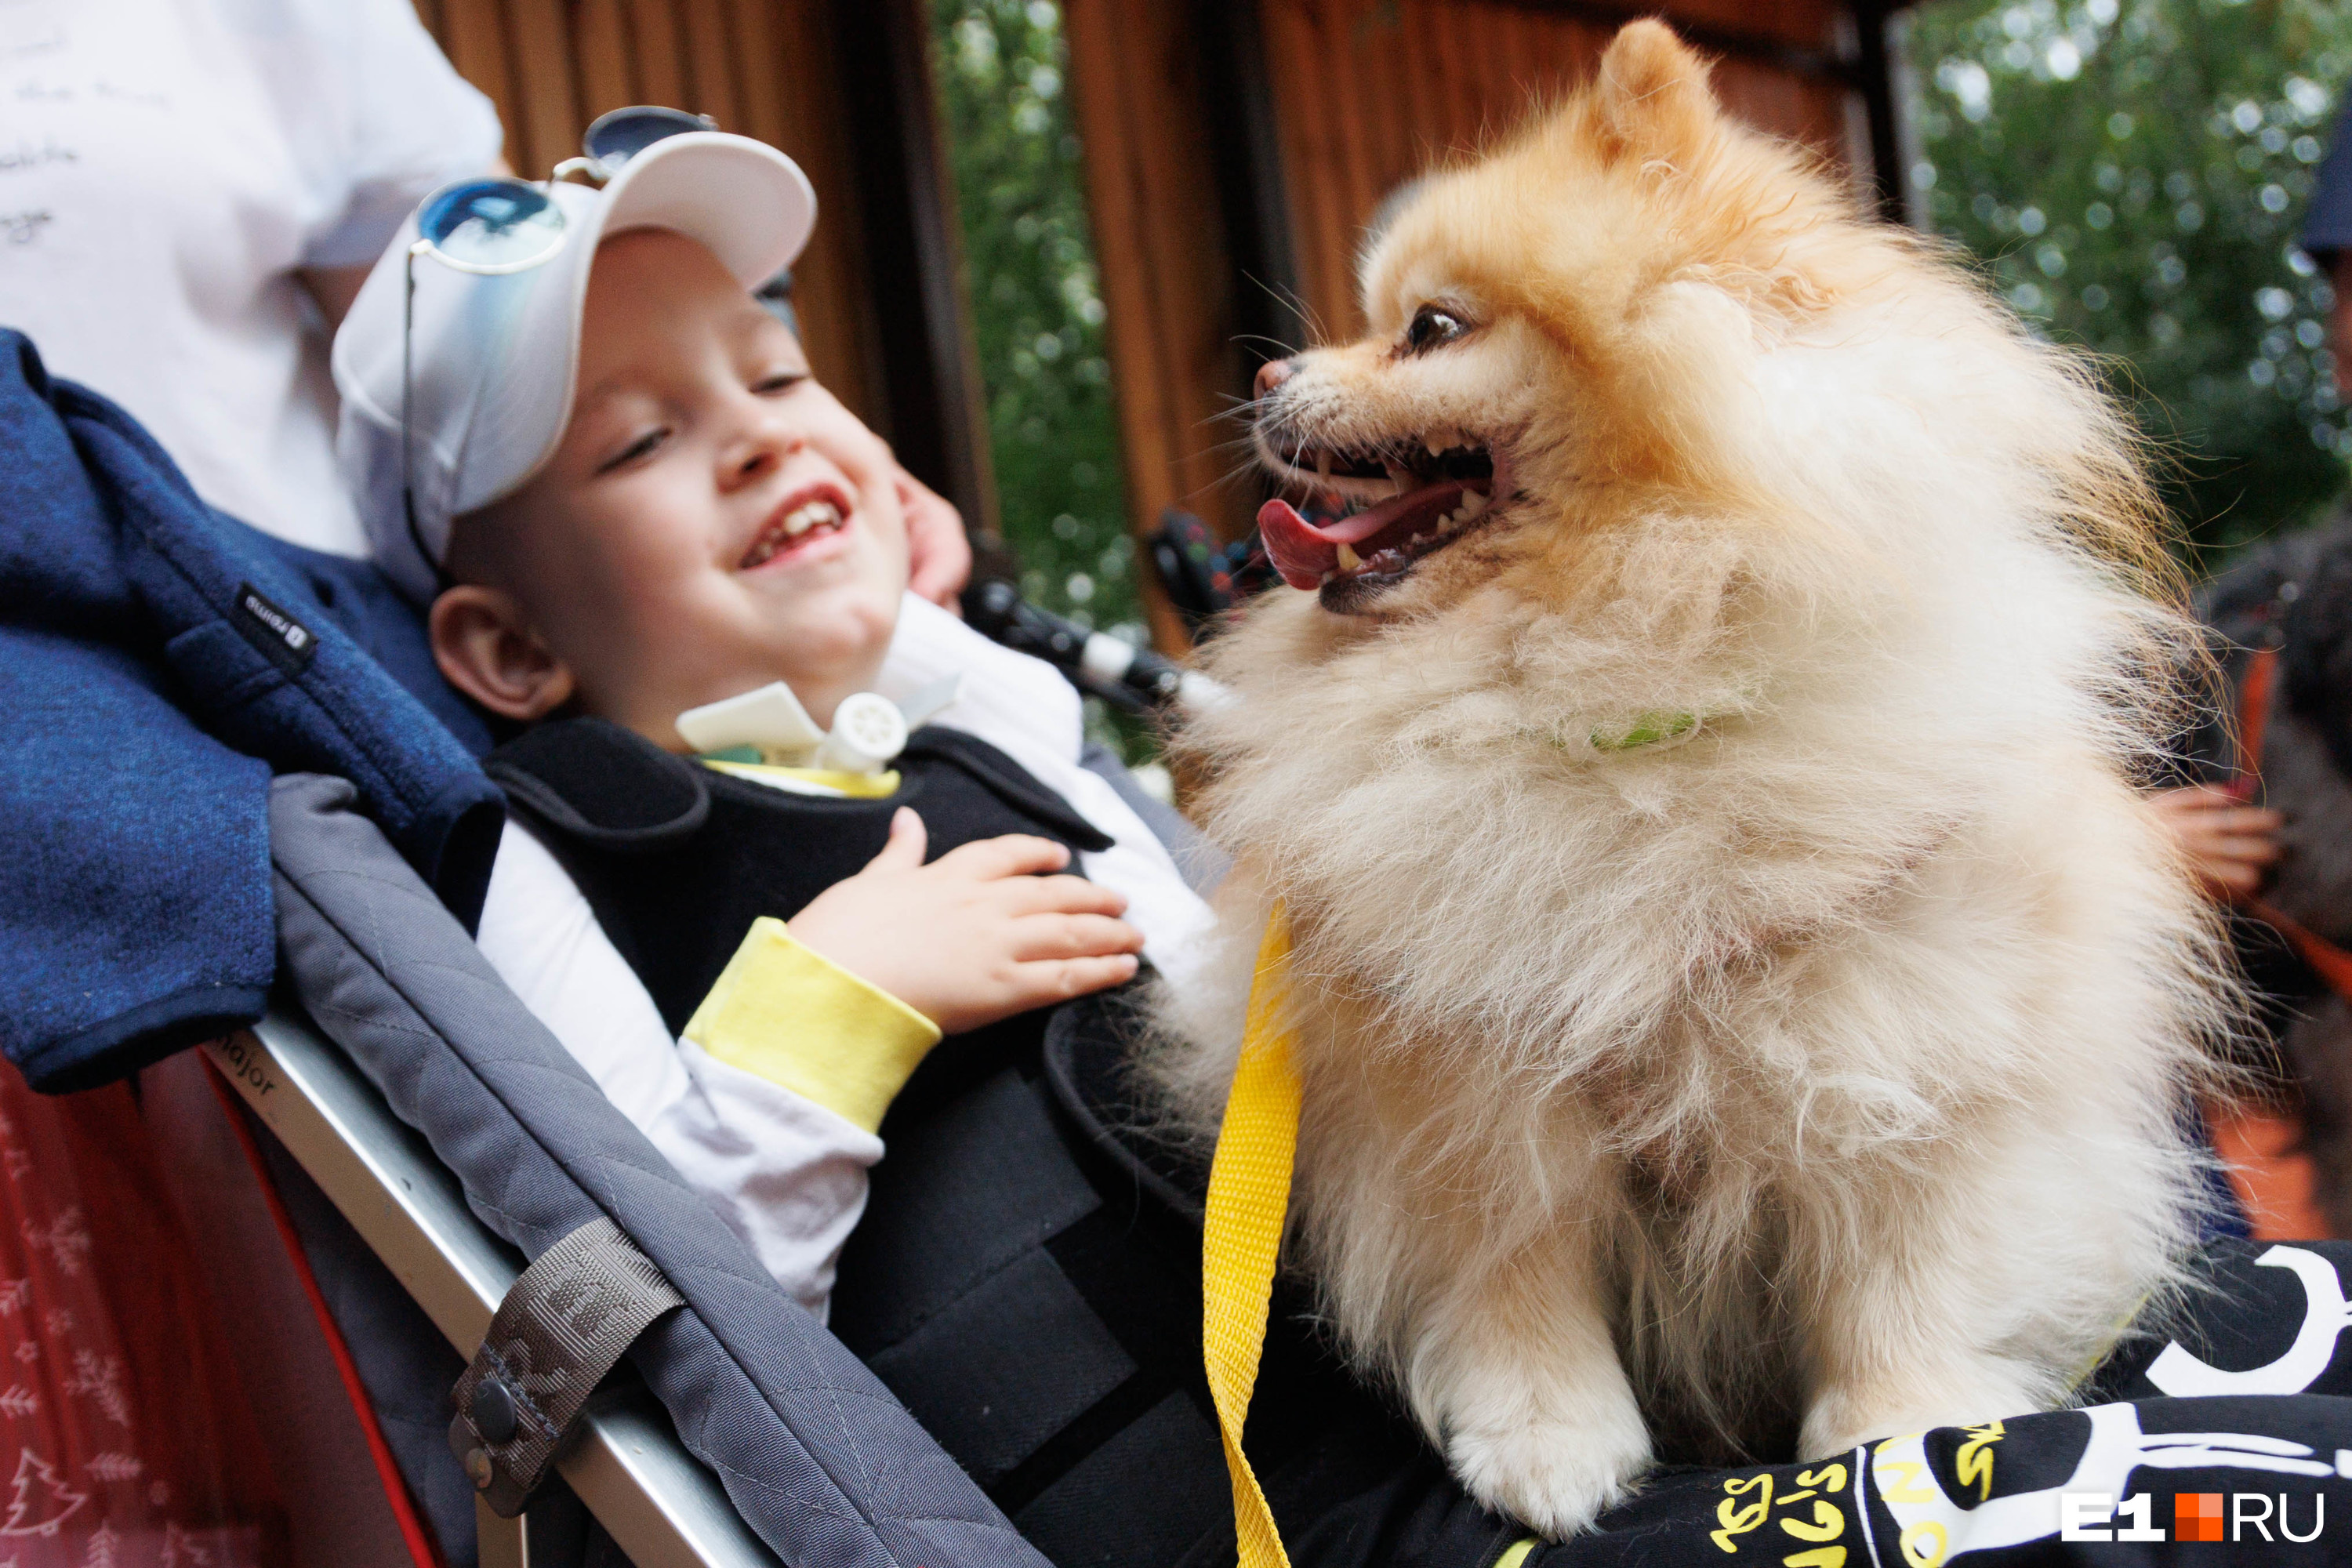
x=2133, y=174
x=1001, y=68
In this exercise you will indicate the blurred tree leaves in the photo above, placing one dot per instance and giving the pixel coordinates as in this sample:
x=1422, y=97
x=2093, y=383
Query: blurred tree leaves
x=1002, y=66
x=2133, y=172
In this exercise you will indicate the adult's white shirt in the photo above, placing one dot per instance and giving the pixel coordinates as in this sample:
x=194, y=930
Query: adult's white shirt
x=789, y=1175
x=168, y=166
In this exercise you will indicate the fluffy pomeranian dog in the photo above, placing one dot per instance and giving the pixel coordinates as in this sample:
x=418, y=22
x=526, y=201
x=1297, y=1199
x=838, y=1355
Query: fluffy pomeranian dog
x=1740, y=997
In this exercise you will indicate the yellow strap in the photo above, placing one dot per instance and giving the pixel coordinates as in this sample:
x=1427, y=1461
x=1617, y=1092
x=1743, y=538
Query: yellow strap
x=1249, y=1194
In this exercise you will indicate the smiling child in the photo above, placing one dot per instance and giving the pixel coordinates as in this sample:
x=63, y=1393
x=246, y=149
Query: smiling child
x=630, y=499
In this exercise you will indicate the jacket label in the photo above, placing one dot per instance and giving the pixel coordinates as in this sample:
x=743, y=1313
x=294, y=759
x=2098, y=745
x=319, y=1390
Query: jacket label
x=283, y=640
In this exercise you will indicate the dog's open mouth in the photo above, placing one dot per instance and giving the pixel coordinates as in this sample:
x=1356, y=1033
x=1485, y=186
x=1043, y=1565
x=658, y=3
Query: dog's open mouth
x=1403, y=508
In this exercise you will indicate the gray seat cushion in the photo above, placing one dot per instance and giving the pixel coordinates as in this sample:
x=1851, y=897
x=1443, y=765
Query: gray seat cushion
x=822, y=1462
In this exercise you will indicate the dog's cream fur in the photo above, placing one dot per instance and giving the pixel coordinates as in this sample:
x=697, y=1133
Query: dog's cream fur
x=1817, y=1074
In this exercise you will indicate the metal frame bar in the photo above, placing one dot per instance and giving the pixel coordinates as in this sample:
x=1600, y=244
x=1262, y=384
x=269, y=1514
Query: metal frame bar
x=660, y=1505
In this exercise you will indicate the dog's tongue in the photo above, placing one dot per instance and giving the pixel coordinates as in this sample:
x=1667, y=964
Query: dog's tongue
x=1305, y=552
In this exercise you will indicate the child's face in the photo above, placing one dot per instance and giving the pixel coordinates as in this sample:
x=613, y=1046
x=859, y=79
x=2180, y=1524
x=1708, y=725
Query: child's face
x=713, y=521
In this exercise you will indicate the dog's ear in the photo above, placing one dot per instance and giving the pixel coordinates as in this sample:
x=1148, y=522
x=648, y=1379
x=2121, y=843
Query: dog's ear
x=1655, y=102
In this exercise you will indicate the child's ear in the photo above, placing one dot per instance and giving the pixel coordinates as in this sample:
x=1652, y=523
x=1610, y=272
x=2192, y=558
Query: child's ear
x=489, y=651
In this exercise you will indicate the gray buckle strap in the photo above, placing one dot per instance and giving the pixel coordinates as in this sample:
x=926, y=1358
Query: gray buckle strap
x=561, y=1328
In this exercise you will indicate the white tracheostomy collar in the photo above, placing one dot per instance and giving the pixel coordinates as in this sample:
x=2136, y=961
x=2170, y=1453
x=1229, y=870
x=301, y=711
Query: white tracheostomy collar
x=868, y=730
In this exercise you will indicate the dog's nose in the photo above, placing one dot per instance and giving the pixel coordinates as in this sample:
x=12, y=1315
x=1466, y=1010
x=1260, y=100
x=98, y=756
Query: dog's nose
x=1273, y=373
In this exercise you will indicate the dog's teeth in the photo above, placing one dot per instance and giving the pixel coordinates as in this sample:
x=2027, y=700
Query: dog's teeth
x=1323, y=467
x=1473, y=503
x=1430, y=442
x=1349, y=560
x=1326, y=577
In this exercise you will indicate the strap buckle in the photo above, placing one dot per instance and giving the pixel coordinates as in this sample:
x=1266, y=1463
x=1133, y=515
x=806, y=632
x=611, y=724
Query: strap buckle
x=562, y=1325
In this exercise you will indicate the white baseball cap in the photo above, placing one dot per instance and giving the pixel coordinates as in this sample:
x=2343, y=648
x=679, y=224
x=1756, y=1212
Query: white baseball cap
x=494, y=360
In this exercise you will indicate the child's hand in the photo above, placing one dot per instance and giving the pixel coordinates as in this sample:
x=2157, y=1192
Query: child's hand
x=972, y=937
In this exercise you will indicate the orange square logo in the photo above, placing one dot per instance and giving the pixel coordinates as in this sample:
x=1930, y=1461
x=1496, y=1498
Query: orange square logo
x=2196, y=1516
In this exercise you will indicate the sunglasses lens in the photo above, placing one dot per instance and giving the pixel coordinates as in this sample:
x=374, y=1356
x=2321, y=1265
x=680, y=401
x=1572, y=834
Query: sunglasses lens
x=621, y=135
x=493, y=223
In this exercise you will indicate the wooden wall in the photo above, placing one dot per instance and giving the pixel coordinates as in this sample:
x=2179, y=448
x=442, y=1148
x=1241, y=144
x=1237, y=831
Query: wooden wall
x=759, y=66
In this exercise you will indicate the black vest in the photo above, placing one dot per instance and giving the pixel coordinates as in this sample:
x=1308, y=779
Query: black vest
x=1027, y=1277
x=678, y=859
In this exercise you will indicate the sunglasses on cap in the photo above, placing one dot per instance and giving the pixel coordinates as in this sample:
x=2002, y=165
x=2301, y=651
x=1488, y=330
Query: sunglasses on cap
x=493, y=224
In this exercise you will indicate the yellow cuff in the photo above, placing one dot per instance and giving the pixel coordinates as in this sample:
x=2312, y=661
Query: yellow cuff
x=796, y=1018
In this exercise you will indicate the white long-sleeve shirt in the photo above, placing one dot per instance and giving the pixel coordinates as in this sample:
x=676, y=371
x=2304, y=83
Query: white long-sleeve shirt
x=788, y=1175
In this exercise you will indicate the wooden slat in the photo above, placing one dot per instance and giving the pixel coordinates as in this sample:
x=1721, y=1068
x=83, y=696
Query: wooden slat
x=600, y=44
x=474, y=38
x=757, y=29
x=712, y=63
x=791, y=99
x=1304, y=74
x=657, y=67
x=550, y=122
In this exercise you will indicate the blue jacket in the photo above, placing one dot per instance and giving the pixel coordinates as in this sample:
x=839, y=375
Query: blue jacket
x=158, y=663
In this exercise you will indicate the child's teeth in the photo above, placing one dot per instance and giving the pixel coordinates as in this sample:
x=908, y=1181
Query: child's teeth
x=804, y=518
x=1349, y=560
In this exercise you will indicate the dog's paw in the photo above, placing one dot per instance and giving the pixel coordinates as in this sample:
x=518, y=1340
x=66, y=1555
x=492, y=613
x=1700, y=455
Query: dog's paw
x=1553, y=1477
x=1842, y=1419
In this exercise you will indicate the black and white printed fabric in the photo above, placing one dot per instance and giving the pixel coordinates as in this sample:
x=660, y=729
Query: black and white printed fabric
x=2226, y=1440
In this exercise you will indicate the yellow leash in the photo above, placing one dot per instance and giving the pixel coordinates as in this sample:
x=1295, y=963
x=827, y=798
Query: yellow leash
x=1249, y=1194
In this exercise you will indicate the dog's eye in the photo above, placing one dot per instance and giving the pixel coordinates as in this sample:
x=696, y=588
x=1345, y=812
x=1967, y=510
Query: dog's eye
x=1433, y=326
